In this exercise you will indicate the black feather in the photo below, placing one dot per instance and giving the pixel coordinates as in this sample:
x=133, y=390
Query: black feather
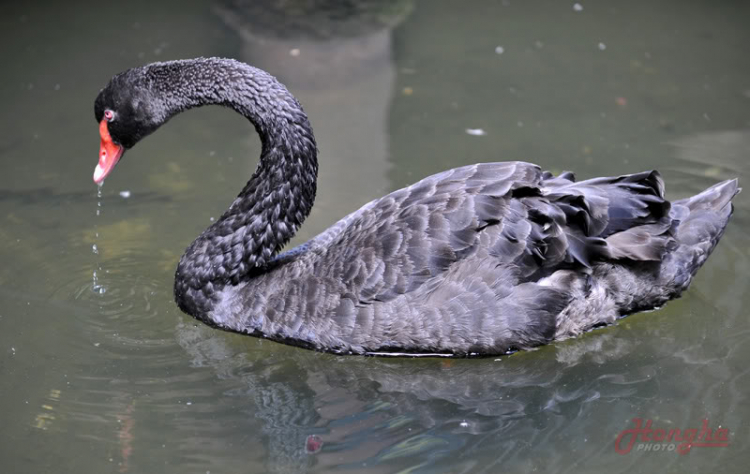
x=485, y=259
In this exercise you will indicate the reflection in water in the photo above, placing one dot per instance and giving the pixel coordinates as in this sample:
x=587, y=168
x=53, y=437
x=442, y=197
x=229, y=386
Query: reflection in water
x=126, y=436
x=370, y=411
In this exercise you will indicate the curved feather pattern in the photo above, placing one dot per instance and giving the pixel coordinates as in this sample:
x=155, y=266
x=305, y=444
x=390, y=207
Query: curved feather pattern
x=484, y=259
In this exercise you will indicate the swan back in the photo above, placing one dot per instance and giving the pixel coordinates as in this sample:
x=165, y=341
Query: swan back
x=485, y=259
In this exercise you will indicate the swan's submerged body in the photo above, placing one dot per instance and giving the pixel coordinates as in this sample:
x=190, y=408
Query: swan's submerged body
x=483, y=259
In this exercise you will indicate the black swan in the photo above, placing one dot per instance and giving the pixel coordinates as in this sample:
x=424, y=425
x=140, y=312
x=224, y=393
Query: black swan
x=479, y=260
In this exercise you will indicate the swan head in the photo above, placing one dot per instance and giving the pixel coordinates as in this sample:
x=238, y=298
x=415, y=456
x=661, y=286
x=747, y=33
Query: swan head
x=126, y=111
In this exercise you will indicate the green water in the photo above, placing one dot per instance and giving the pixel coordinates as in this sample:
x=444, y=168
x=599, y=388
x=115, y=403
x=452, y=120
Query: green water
x=122, y=381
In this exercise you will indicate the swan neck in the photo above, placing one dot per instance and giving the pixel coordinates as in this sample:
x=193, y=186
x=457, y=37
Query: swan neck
x=274, y=202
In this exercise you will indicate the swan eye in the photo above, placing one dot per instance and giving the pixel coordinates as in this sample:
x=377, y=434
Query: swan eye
x=109, y=115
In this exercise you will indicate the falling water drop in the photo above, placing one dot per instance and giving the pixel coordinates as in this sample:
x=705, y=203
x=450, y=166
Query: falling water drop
x=97, y=287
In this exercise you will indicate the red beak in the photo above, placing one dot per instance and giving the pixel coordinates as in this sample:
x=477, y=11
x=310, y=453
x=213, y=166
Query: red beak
x=109, y=154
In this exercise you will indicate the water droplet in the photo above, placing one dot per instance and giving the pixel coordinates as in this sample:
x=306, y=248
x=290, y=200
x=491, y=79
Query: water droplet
x=602, y=46
x=95, y=286
x=499, y=50
x=477, y=132
x=125, y=194
x=577, y=7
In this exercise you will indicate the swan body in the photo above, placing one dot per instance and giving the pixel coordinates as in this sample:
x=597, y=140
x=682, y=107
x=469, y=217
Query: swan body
x=479, y=260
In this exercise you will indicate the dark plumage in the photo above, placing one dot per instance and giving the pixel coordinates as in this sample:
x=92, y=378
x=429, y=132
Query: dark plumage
x=482, y=259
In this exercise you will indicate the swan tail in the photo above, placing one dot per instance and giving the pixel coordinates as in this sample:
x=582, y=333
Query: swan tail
x=699, y=222
x=652, y=263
